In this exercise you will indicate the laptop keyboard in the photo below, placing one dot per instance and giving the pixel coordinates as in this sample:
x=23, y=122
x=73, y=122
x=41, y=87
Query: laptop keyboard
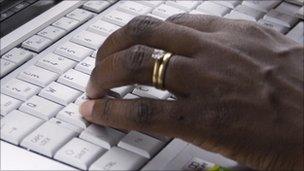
x=39, y=108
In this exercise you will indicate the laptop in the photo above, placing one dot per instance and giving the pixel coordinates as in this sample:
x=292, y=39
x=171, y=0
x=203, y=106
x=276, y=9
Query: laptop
x=48, y=50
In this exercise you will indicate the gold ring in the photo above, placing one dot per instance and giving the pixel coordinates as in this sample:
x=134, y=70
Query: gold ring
x=162, y=70
x=158, y=56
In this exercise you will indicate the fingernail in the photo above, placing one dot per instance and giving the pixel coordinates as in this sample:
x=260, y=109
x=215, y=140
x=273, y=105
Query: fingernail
x=86, y=108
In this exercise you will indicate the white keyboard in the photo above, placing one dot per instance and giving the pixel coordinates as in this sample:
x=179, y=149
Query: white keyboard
x=40, y=100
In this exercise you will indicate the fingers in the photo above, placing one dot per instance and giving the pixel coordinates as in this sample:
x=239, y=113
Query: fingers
x=151, y=32
x=139, y=114
x=204, y=23
x=134, y=66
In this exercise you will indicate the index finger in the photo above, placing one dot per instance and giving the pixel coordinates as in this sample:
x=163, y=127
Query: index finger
x=152, y=32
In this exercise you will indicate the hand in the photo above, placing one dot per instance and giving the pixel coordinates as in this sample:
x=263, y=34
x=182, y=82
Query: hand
x=239, y=87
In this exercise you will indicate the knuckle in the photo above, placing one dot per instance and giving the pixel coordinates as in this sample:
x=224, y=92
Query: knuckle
x=143, y=112
x=102, y=110
x=134, y=61
x=141, y=26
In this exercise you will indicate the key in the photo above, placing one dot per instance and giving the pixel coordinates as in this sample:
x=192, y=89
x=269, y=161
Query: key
x=300, y=13
x=52, y=33
x=80, y=15
x=79, y=153
x=102, y=136
x=118, y=18
x=280, y=18
x=288, y=8
x=133, y=8
x=166, y=11
x=6, y=67
x=239, y=16
x=102, y=28
x=183, y=5
x=130, y=96
x=297, y=33
x=40, y=107
x=66, y=23
x=274, y=26
x=59, y=93
x=8, y=104
x=86, y=66
x=151, y=3
x=150, y=92
x=47, y=139
x=17, y=56
x=81, y=99
x=118, y=159
x=264, y=6
x=94, y=54
x=73, y=51
x=66, y=125
x=74, y=79
x=89, y=39
x=37, y=76
x=19, y=89
x=96, y=6
x=122, y=91
x=16, y=125
x=213, y=8
x=71, y=115
x=36, y=43
x=255, y=14
x=56, y=63
x=229, y=4
x=141, y=144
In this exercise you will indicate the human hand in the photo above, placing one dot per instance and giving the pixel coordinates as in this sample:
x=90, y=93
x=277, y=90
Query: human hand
x=239, y=87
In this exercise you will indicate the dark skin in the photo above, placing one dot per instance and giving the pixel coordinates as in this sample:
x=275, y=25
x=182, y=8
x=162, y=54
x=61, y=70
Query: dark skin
x=239, y=87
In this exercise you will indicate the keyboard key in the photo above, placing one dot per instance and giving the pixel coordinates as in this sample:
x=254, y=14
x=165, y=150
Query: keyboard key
x=255, y=14
x=52, y=33
x=239, y=16
x=79, y=153
x=122, y=91
x=16, y=125
x=141, y=144
x=183, y=5
x=264, y=6
x=102, y=28
x=17, y=56
x=213, y=8
x=73, y=51
x=118, y=159
x=300, y=13
x=229, y=4
x=130, y=96
x=19, y=89
x=96, y=6
x=8, y=104
x=150, y=92
x=118, y=18
x=66, y=23
x=151, y=3
x=66, y=125
x=80, y=15
x=274, y=26
x=47, y=139
x=89, y=39
x=71, y=115
x=36, y=43
x=133, y=8
x=37, y=76
x=74, y=79
x=6, y=67
x=56, y=63
x=166, y=11
x=102, y=136
x=40, y=107
x=86, y=66
x=297, y=33
x=288, y=8
x=59, y=93
x=280, y=18
x=81, y=99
